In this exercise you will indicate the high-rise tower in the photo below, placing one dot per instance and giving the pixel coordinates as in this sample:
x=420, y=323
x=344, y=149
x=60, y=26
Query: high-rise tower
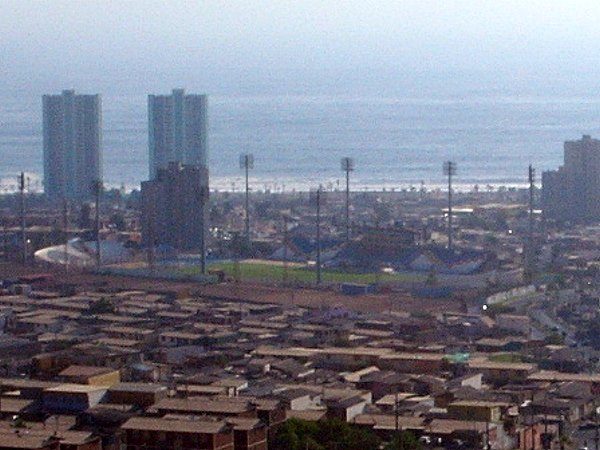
x=573, y=191
x=177, y=130
x=72, y=144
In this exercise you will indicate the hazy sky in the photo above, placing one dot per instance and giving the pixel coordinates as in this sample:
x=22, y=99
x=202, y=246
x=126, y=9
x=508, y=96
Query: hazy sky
x=236, y=45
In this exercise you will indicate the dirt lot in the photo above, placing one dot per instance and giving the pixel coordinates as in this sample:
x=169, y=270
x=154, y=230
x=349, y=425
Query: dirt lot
x=243, y=291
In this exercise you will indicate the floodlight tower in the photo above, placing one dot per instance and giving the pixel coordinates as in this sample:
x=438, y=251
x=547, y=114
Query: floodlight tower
x=449, y=169
x=530, y=254
x=285, y=250
x=247, y=163
x=347, y=166
x=318, y=200
x=22, y=213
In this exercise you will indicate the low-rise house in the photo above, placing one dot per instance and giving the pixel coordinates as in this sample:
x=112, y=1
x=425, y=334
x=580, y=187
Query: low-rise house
x=232, y=386
x=383, y=382
x=292, y=368
x=72, y=398
x=24, y=408
x=480, y=411
x=386, y=425
x=249, y=434
x=299, y=399
x=346, y=409
x=142, y=395
x=98, y=376
x=134, y=333
x=349, y=358
x=17, y=440
x=472, y=433
x=507, y=344
x=422, y=363
x=177, y=434
x=179, y=338
x=38, y=324
x=514, y=323
x=271, y=412
x=210, y=406
x=502, y=373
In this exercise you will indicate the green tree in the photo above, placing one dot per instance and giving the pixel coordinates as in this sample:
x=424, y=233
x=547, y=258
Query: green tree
x=555, y=338
x=405, y=440
x=101, y=306
x=331, y=434
x=296, y=434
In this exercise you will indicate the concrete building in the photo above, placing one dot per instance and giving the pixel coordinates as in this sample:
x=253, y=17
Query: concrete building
x=177, y=433
x=573, y=191
x=174, y=207
x=177, y=130
x=72, y=144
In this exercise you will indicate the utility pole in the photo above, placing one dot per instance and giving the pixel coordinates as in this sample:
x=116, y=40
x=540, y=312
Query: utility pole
x=319, y=236
x=151, y=255
x=97, y=191
x=66, y=231
x=396, y=414
x=247, y=163
x=597, y=436
x=285, y=251
x=530, y=248
x=449, y=169
x=204, y=192
x=347, y=166
x=22, y=213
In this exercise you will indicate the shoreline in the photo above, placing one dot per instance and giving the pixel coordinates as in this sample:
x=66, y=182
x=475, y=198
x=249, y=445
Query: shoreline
x=234, y=185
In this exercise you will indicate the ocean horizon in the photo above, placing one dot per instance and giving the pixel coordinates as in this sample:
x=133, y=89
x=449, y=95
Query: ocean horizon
x=298, y=140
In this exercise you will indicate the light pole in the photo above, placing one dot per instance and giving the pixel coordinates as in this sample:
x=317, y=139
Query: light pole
x=285, y=250
x=347, y=166
x=247, y=163
x=319, y=235
x=66, y=228
x=530, y=250
x=97, y=188
x=22, y=213
x=449, y=169
x=318, y=198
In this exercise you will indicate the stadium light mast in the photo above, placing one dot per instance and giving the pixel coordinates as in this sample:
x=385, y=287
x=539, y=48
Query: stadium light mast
x=449, y=169
x=318, y=200
x=530, y=255
x=347, y=166
x=22, y=213
x=247, y=163
x=285, y=250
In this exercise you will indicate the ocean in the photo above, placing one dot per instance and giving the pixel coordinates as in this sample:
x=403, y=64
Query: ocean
x=297, y=141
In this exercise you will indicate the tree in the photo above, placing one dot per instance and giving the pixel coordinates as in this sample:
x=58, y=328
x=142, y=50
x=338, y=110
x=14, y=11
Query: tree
x=404, y=440
x=333, y=434
x=555, y=338
x=296, y=434
x=101, y=306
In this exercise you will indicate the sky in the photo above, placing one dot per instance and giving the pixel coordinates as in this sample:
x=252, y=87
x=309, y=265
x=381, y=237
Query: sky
x=225, y=46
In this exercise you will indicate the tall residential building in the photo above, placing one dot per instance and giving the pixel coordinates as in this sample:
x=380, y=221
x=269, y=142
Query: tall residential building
x=177, y=130
x=573, y=191
x=72, y=144
x=174, y=207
